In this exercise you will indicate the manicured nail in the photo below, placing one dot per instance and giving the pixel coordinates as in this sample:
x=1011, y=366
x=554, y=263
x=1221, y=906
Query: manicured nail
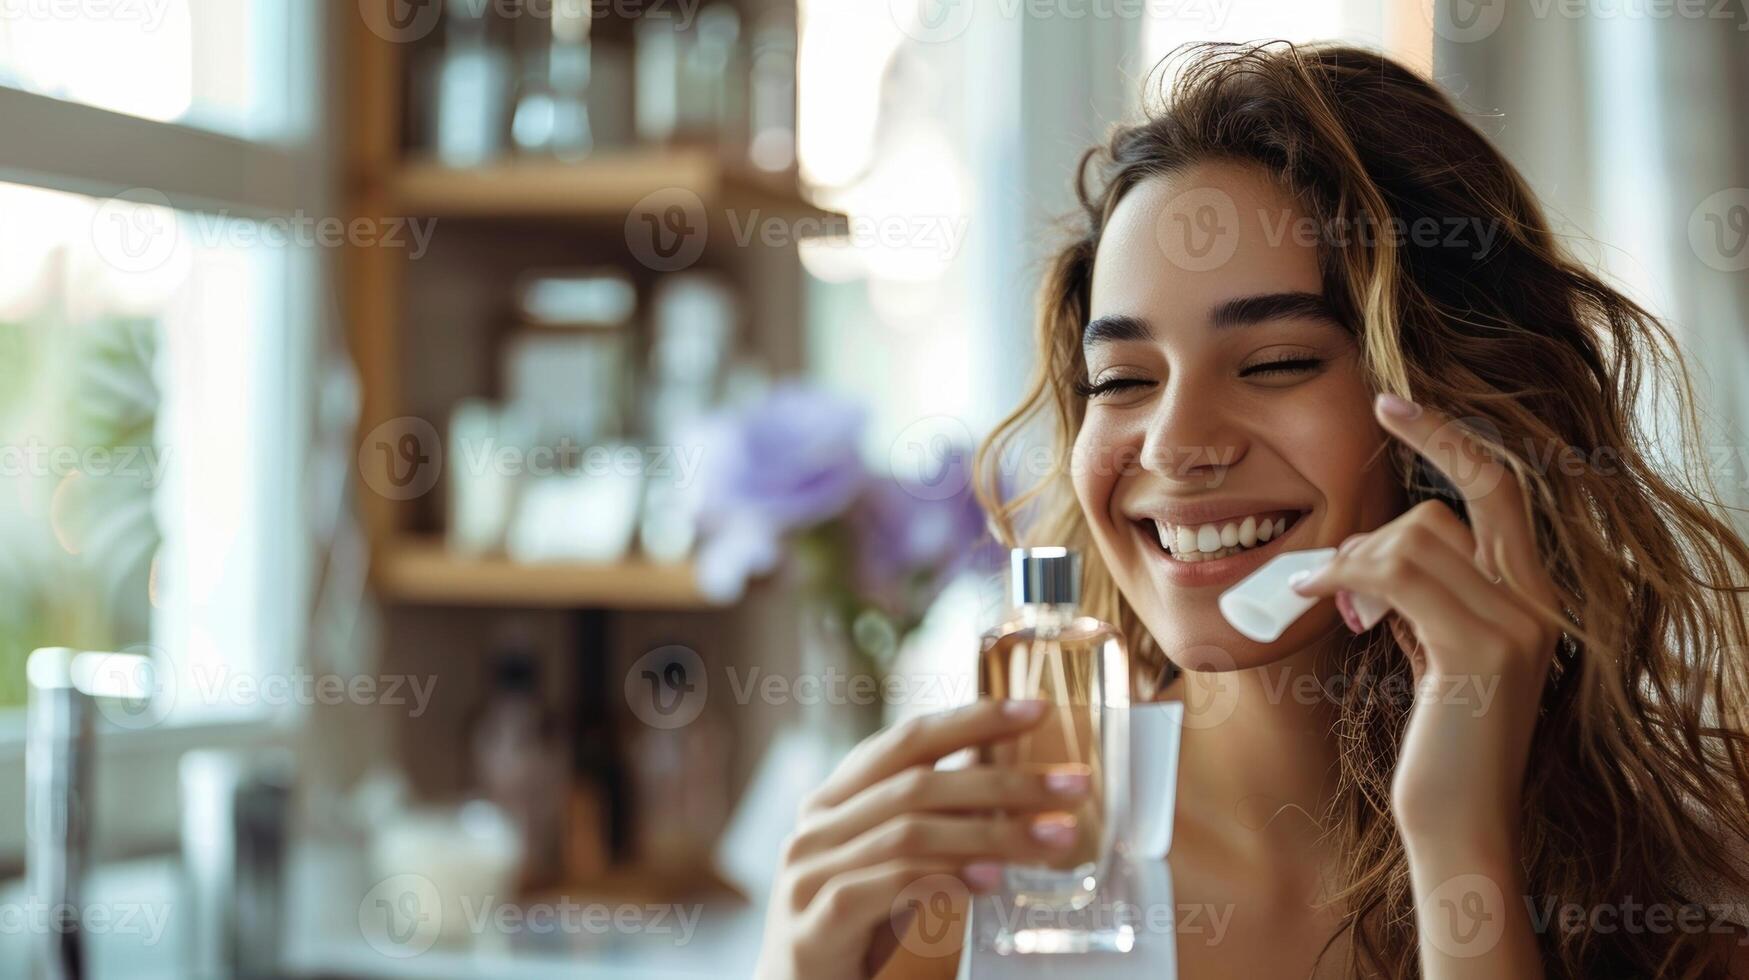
x=1057, y=831
x=1395, y=407
x=1346, y=608
x=983, y=876
x=1300, y=578
x=1368, y=610
x=1023, y=710
x=1067, y=783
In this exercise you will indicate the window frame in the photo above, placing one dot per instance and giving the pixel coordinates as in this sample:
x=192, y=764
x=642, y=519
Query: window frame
x=99, y=153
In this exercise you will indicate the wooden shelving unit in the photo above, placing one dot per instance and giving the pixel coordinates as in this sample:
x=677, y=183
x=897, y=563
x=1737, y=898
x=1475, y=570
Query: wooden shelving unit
x=421, y=330
x=422, y=571
x=383, y=182
x=604, y=187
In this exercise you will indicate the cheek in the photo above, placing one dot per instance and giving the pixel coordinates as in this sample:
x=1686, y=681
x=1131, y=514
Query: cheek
x=1093, y=476
x=1345, y=456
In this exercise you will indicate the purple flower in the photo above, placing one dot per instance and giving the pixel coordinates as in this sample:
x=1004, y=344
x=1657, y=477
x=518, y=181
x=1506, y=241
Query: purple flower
x=788, y=461
x=912, y=538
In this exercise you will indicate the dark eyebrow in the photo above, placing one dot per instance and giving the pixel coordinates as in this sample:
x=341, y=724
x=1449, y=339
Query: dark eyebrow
x=1113, y=329
x=1263, y=307
x=1240, y=312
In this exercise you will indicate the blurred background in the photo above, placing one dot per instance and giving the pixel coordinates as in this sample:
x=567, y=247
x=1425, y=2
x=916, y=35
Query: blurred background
x=511, y=448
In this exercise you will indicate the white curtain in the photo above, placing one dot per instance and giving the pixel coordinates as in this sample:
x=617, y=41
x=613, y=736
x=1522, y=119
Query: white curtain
x=1631, y=121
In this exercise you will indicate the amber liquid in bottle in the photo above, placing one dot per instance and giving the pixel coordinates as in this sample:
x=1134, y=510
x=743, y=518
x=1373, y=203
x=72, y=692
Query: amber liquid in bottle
x=1077, y=665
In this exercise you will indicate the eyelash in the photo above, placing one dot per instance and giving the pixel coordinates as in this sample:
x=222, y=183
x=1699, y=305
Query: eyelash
x=1086, y=390
x=1287, y=365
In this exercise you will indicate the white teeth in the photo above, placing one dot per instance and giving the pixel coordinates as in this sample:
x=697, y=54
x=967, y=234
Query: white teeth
x=1210, y=541
x=1208, y=538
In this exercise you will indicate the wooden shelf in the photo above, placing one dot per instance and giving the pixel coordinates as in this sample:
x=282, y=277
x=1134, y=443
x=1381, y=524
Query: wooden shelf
x=604, y=187
x=423, y=572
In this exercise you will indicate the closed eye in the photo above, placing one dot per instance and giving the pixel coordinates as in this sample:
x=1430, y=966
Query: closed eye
x=1293, y=365
x=1110, y=387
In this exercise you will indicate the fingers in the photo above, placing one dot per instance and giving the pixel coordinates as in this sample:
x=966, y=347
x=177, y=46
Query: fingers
x=854, y=903
x=1504, y=538
x=920, y=789
x=1416, y=573
x=955, y=840
x=921, y=741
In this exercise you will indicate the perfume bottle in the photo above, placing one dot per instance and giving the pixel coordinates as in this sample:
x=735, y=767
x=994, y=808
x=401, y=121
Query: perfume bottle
x=1079, y=667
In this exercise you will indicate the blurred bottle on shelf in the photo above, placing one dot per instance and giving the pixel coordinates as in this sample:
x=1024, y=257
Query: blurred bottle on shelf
x=482, y=495
x=519, y=761
x=693, y=318
x=472, y=92
x=678, y=775
x=567, y=364
x=693, y=80
x=771, y=141
x=552, y=117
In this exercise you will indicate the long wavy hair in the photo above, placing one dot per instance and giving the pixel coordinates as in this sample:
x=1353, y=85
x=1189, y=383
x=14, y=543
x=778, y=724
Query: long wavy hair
x=1636, y=785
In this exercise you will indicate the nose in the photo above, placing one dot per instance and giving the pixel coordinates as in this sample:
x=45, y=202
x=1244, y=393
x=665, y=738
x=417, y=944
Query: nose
x=1191, y=440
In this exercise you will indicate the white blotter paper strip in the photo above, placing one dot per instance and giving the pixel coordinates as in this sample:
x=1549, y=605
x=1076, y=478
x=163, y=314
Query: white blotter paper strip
x=1141, y=876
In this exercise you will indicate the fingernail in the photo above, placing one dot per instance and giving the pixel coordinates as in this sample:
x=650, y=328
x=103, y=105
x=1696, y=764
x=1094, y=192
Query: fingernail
x=983, y=876
x=1023, y=710
x=1300, y=578
x=1067, y=783
x=1396, y=407
x=1346, y=608
x=1368, y=610
x=1055, y=831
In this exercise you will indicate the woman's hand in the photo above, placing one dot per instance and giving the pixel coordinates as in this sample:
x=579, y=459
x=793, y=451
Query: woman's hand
x=870, y=838
x=1462, y=601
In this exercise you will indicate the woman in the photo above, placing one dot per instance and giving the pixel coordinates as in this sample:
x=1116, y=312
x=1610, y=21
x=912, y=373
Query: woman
x=1306, y=292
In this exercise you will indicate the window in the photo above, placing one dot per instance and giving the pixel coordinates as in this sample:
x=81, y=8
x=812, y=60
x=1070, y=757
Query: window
x=153, y=320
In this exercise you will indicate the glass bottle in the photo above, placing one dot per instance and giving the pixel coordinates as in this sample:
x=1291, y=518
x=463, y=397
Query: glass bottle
x=1079, y=667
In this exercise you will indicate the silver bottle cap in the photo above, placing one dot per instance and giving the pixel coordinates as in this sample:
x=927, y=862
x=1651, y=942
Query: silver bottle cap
x=1045, y=575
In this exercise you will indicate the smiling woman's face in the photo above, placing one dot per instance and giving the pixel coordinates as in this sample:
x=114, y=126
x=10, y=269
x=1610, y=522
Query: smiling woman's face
x=1228, y=418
